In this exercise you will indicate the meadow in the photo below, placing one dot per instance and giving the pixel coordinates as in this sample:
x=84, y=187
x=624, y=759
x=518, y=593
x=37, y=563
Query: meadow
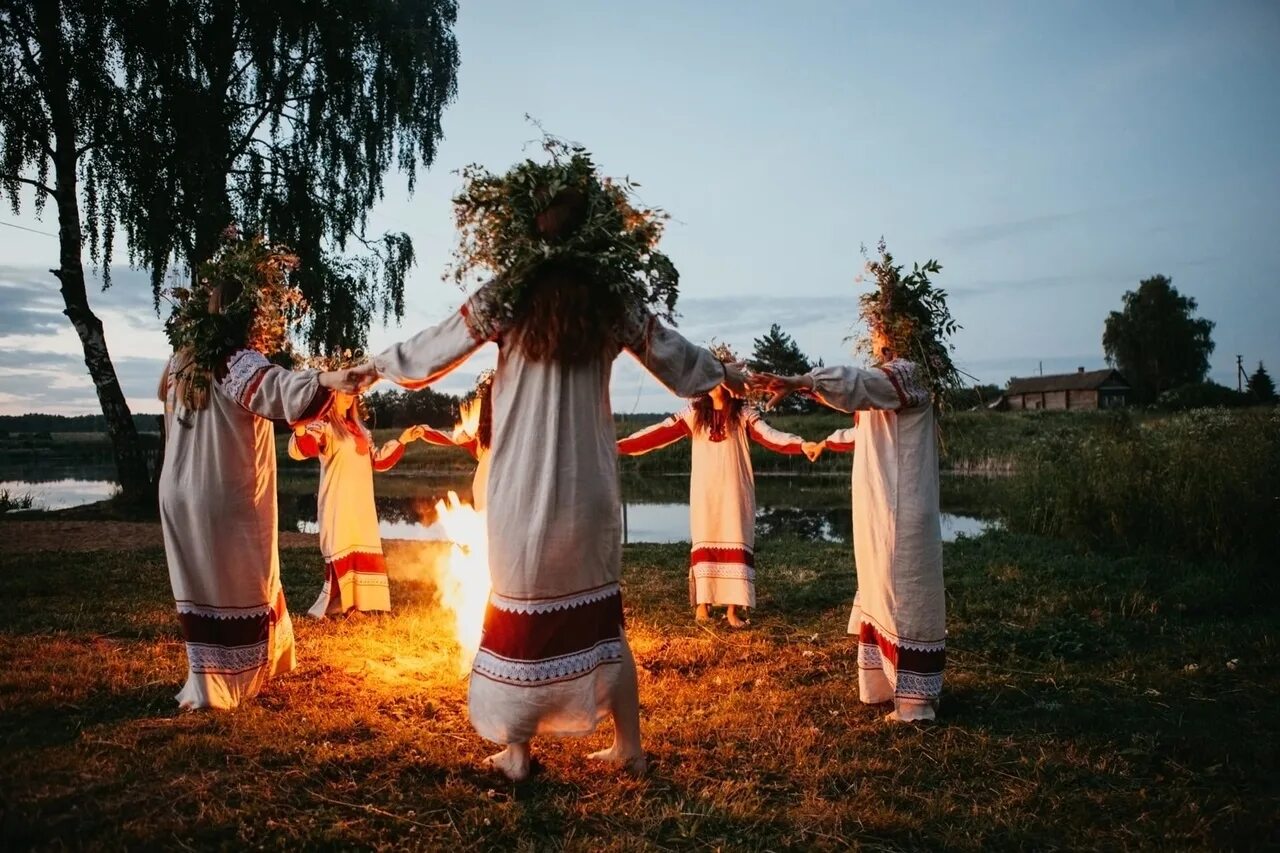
x=1113, y=660
x=1091, y=702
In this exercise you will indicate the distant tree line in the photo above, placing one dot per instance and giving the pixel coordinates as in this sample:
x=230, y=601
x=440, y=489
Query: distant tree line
x=406, y=408
x=71, y=423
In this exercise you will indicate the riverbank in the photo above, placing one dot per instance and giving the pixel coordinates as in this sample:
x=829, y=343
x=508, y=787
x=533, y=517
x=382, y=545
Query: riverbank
x=1091, y=702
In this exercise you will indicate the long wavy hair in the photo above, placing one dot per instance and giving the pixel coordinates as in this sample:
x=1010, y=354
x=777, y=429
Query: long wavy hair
x=350, y=423
x=564, y=316
x=715, y=421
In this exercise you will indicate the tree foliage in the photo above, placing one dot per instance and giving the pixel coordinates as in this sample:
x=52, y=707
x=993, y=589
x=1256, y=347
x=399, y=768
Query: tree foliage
x=165, y=121
x=1262, y=388
x=61, y=102
x=1201, y=395
x=1156, y=340
x=777, y=352
x=284, y=117
x=407, y=408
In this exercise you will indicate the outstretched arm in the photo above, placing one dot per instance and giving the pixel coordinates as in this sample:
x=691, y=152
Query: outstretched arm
x=685, y=369
x=776, y=440
x=433, y=352
x=270, y=391
x=840, y=441
x=849, y=389
x=659, y=435
x=440, y=438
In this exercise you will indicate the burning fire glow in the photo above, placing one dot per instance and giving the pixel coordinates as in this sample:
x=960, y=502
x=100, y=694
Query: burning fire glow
x=468, y=419
x=461, y=575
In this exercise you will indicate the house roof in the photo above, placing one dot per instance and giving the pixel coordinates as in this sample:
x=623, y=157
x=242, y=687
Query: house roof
x=1081, y=380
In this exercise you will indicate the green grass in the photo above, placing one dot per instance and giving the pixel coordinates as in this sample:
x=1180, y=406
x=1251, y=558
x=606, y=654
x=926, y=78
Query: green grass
x=1090, y=703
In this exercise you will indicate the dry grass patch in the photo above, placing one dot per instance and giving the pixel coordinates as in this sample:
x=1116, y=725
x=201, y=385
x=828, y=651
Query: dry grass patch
x=1073, y=718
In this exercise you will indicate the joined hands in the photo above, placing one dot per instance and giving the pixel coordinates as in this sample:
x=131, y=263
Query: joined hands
x=777, y=386
x=351, y=380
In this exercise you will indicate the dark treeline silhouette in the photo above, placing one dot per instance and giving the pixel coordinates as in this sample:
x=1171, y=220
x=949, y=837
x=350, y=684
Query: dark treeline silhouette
x=72, y=423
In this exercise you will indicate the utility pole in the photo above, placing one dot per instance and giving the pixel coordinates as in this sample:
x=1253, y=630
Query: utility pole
x=1240, y=373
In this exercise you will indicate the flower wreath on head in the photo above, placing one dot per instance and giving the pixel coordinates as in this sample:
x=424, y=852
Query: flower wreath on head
x=913, y=316
x=615, y=244
x=337, y=359
x=727, y=355
x=484, y=382
x=262, y=317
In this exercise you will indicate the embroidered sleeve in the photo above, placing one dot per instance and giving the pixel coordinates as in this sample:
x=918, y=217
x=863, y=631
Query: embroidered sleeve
x=685, y=369
x=841, y=441
x=890, y=387
x=653, y=437
x=766, y=436
x=269, y=391
x=386, y=456
x=437, y=350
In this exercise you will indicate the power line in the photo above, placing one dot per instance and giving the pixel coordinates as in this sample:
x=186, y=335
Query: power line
x=25, y=228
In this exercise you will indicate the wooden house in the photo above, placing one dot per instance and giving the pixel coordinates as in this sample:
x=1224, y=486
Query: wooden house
x=1084, y=389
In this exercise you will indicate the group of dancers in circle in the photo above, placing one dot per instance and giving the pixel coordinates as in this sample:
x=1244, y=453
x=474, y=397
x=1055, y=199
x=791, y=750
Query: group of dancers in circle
x=554, y=658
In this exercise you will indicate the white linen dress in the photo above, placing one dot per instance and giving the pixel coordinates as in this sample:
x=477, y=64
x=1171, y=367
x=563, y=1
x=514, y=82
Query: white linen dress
x=218, y=515
x=550, y=655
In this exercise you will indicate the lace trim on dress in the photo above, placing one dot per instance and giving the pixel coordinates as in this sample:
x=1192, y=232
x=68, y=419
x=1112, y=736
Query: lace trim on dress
x=915, y=685
x=553, y=669
x=243, y=367
x=227, y=660
x=547, y=605
x=723, y=570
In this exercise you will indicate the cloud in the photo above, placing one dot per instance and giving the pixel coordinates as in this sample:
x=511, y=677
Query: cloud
x=31, y=303
x=992, y=232
x=59, y=383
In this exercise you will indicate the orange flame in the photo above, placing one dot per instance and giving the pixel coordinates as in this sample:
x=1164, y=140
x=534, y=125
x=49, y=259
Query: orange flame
x=468, y=419
x=461, y=576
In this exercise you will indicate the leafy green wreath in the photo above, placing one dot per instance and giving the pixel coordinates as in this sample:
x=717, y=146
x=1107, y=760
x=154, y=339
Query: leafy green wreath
x=263, y=317
x=615, y=244
x=914, y=317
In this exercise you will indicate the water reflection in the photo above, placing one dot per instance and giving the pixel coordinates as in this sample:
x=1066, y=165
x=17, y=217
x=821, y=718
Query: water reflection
x=60, y=494
x=670, y=523
x=414, y=516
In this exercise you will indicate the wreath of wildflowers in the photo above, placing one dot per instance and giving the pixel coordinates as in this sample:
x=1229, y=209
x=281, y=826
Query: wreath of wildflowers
x=913, y=315
x=615, y=245
x=484, y=382
x=727, y=355
x=338, y=359
x=263, y=317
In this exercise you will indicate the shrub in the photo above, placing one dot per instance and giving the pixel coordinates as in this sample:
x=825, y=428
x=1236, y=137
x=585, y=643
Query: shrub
x=10, y=502
x=1205, y=482
x=1201, y=395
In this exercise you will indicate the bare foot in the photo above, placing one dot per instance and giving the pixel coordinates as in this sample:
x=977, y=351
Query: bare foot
x=636, y=765
x=735, y=621
x=513, y=762
x=911, y=714
x=701, y=614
